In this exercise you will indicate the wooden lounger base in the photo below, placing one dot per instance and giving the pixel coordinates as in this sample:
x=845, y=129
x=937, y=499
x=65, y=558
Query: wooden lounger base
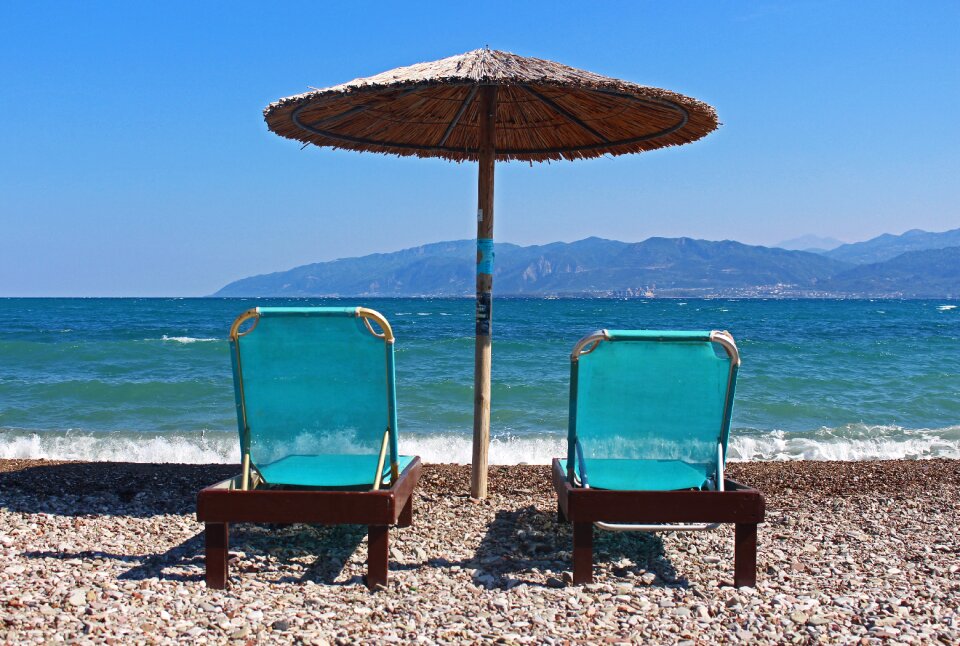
x=224, y=503
x=738, y=504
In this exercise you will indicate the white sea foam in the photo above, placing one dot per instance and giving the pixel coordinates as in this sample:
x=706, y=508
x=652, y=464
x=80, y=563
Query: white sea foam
x=946, y=308
x=853, y=442
x=458, y=449
x=222, y=447
x=876, y=443
x=185, y=339
x=195, y=448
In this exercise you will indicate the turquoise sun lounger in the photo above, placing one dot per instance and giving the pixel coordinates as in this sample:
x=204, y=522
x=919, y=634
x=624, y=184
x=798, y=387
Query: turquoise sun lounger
x=316, y=398
x=317, y=417
x=650, y=410
x=647, y=438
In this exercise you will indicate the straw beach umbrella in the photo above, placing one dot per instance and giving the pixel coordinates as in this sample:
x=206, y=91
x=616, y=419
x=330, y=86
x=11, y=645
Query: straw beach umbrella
x=488, y=106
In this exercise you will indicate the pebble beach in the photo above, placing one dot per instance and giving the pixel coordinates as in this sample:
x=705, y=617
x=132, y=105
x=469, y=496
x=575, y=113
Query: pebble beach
x=851, y=552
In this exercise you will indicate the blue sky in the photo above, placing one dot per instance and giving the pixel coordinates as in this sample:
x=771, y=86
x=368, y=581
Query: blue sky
x=134, y=159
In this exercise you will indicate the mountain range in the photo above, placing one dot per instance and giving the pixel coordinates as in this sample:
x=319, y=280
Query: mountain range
x=887, y=246
x=914, y=264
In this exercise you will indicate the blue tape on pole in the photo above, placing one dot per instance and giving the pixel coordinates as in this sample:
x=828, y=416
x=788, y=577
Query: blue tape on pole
x=485, y=256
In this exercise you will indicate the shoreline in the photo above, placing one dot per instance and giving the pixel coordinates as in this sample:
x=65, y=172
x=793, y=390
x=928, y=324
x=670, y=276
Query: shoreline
x=848, y=443
x=112, y=551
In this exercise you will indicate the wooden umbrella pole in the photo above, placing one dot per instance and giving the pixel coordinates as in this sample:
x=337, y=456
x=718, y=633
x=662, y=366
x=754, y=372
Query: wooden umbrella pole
x=484, y=314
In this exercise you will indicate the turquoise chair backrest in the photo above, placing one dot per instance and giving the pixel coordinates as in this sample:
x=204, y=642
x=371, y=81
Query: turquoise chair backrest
x=641, y=394
x=312, y=381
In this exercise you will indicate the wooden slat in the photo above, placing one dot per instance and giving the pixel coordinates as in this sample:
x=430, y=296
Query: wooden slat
x=404, y=486
x=218, y=505
x=739, y=504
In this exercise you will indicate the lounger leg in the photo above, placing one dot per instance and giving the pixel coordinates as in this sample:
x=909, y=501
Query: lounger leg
x=561, y=517
x=745, y=556
x=582, y=553
x=377, y=555
x=217, y=536
x=406, y=514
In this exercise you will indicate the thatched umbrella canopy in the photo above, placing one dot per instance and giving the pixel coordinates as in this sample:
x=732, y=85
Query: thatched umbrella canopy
x=485, y=106
x=545, y=111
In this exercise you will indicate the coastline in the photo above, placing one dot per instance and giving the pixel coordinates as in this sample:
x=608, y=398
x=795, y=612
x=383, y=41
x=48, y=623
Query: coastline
x=850, y=550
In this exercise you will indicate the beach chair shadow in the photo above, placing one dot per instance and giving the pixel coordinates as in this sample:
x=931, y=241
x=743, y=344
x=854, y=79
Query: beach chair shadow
x=183, y=562
x=309, y=553
x=296, y=553
x=522, y=545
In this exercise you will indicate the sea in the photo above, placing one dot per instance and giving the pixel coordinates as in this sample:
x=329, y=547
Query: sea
x=149, y=380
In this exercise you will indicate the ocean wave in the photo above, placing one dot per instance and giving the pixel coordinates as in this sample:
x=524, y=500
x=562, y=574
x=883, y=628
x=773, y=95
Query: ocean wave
x=458, y=449
x=221, y=447
x=186, y=339
x=946, y=308
x=850, y=443
x=182, y=448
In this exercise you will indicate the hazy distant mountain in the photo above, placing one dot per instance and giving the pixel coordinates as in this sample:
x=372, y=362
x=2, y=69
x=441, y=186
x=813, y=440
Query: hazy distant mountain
x=590, y=266
x=931, y=273
x=440, y=268
x=810, y=242
x=887, y=246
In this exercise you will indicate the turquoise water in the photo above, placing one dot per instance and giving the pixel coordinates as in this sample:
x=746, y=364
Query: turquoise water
x=149, y=379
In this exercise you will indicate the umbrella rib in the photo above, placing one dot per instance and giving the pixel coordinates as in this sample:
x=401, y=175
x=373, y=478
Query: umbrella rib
x=346, y=113
x=456, y=119
x=563, y=112
x=660, y=103
x=335, y=136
